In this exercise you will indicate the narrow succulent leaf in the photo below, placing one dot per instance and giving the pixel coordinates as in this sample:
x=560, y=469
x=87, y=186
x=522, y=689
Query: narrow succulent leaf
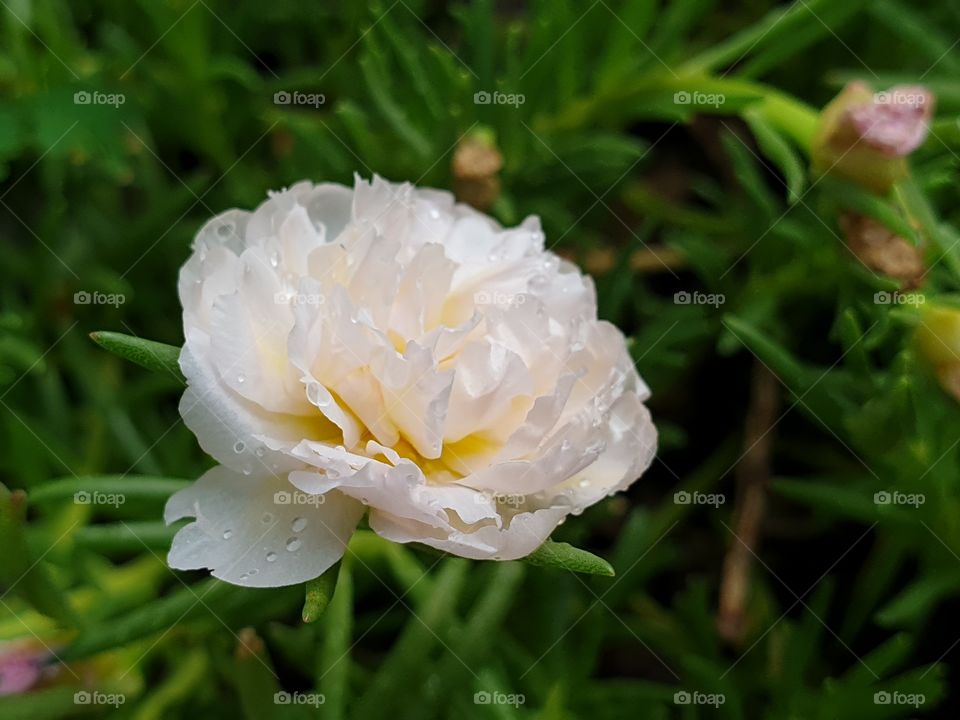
x=155, y=356
x=567, y=557
x=319, y=591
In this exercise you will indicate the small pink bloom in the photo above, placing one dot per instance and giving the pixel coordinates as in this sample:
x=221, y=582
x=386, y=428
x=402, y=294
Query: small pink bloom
x=896, y=121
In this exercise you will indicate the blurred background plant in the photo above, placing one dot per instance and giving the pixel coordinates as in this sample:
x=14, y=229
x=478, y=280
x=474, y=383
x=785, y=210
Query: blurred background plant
x=795, y=550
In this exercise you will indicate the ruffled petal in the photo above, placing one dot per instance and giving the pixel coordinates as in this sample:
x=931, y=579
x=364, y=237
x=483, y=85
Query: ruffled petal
x=257, y=531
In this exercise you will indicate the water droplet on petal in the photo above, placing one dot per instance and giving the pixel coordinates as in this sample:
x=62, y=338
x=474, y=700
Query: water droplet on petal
x=267, y=518
x=239, y=447
x=227, y=534
x=275, y=259
x=259, y=452
x=293, y=544
x=241, y=378
x=253, y=572
x=271, y=556
x=298, y=524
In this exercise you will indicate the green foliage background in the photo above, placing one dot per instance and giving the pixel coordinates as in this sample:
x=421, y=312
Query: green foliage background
x=847, y=598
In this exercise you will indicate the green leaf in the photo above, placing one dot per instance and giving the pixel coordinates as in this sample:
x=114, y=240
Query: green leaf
x=20, y=573
x=775, y=146
x=183, y=604
x=135, y=536
x=131, y=487
x=156, y=356
x=318, y=594
x=567, y=557
x=334, y=664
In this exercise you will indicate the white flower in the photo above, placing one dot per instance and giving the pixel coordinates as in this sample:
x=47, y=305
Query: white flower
x=385, y=350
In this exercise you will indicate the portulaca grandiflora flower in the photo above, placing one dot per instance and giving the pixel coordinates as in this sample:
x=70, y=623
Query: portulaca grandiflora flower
x=382, y=350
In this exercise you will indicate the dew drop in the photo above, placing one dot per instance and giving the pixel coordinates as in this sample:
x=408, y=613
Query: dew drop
x=365, y=501
x=259, y=452
x=271, y=557
x=434, y=213
x=597, y=447
x=241, y=379
x=239, y=447
x=253, y=572
x=293, y=544
x=584, y=483
x=331, y=473
x=298, y=524
x=275, y=259
x=538, y=282
x=267, y=518
x=244, y=576
x=225, y=230
x=247, y=470
x=227, y=534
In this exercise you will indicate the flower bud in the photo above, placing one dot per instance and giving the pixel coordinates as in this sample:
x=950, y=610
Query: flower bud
x=865, y=136
x=938, y=339
x=882, y=250
x=476, y=164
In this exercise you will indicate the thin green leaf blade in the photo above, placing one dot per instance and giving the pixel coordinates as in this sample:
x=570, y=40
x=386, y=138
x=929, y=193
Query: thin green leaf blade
x=567, y=557
x=152, y=355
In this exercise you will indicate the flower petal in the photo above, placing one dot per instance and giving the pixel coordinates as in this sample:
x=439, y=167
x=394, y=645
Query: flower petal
x=254, y=530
